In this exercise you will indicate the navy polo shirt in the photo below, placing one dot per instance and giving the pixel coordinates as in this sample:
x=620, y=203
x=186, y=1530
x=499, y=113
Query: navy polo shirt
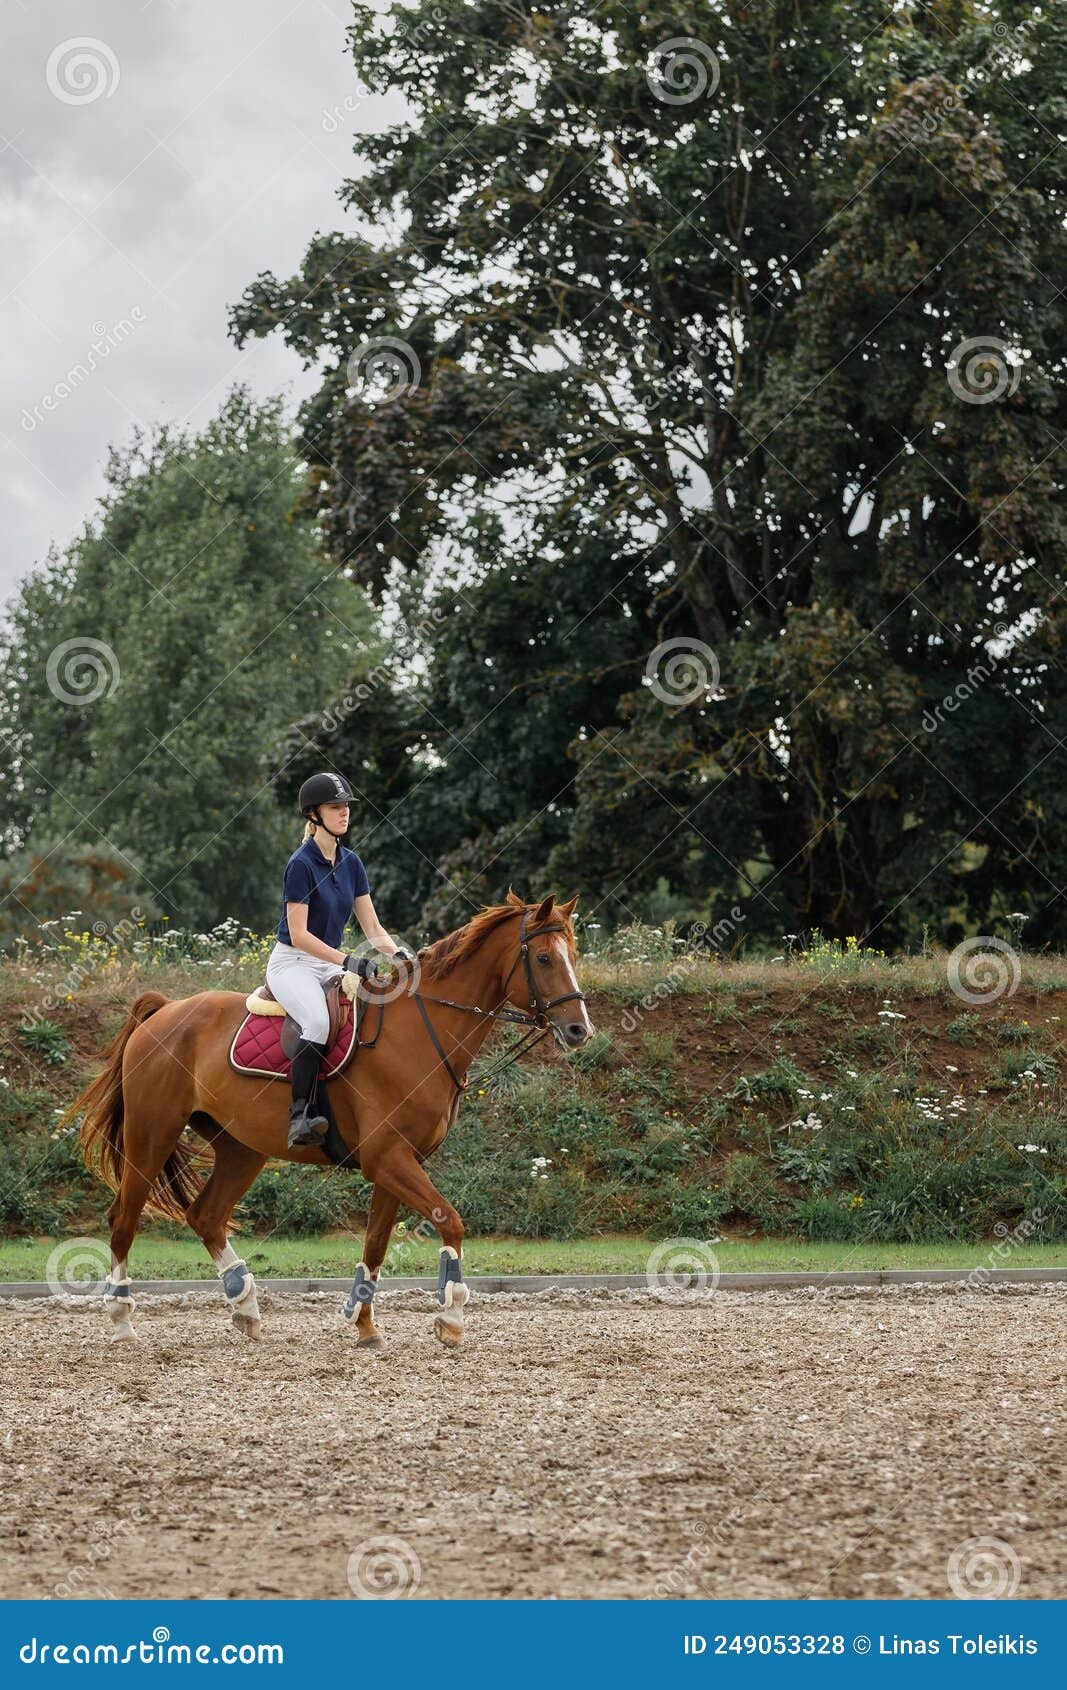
x=328, y=889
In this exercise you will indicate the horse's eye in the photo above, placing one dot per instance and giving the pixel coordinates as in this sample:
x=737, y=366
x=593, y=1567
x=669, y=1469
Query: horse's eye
x=544, y=957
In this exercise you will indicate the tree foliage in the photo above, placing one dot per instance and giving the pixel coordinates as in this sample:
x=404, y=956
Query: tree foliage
x=148, y=673
x=752, y=321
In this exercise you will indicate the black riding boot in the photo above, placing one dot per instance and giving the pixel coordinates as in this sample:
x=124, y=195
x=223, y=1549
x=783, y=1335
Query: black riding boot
x=306, y=1124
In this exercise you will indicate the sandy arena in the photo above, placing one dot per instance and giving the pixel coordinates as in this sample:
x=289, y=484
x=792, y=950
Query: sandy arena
x=836, y=1443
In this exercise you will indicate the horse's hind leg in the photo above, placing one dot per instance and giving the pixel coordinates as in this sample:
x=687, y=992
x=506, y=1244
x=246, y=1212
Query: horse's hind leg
x=144, y=1152
x=236, y=1166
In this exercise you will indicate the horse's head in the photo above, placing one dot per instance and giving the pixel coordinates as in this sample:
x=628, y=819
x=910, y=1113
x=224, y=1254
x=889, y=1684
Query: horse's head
x=538, y=970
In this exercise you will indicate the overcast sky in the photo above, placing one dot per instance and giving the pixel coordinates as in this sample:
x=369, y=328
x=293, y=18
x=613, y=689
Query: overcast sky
x=154, y=155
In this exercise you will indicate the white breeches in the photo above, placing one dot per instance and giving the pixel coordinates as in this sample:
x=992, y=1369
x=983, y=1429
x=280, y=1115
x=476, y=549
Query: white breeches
x=297, y=981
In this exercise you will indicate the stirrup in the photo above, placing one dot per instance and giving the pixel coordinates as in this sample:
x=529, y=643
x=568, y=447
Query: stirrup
x=304, y=1130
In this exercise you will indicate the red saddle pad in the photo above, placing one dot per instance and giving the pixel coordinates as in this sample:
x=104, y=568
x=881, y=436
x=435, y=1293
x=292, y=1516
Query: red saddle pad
x=257, y=1048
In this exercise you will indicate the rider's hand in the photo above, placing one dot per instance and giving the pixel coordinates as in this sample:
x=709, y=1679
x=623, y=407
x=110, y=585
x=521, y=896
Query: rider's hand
x=365, y=967
x=402, y=954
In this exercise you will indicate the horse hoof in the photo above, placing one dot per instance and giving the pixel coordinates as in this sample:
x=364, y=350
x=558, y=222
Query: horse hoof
x=450, y=1332
x=124, y=1335
x=369, y=1344
x=248, y=1326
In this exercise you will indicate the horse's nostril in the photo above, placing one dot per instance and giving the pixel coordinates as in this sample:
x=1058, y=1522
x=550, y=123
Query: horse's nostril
x=576, y=1033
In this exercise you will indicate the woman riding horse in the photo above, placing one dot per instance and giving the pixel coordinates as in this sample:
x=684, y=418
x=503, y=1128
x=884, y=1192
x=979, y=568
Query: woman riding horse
x=325, y=883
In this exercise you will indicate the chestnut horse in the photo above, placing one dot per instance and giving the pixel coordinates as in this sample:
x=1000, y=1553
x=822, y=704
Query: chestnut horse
x=169, y=1068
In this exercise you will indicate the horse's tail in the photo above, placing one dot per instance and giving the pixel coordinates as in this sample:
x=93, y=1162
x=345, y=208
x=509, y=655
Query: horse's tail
x=102, y=1109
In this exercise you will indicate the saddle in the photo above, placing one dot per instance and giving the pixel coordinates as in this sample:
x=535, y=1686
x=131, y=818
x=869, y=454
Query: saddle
x=338, y=1005
x=266, y=1039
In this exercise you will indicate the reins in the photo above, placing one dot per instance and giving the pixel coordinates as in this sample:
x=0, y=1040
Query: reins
x=537, y=1021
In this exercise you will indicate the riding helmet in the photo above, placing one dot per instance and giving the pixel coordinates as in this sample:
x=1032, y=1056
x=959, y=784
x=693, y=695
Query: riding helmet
x=324, y=789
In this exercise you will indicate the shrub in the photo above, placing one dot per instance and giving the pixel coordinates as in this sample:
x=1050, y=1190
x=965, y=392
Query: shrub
x=690, y=1211
x=827, y=1219
x=782, y=1079
x=47, y=1040
x=299, y=1201
x=964, y=1029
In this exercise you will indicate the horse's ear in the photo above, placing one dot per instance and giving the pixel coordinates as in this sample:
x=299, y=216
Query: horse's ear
x=544, y=910
x=567, y=910
x=513, y=897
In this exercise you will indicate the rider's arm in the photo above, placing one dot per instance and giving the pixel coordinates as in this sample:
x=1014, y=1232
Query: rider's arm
x=296, y=916
x=365, y=914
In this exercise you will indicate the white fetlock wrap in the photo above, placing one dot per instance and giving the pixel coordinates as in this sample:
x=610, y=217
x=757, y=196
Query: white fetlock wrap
x=244, y=1303
x=456, y=1297
x=120, y=1311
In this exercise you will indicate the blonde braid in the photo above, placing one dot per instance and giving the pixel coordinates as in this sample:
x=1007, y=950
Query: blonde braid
x=309, y=828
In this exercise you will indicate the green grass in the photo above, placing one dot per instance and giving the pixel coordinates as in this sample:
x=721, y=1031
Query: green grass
x=155, y=1257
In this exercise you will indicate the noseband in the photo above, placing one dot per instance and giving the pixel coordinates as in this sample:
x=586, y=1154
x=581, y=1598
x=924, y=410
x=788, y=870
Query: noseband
x=539, y=1005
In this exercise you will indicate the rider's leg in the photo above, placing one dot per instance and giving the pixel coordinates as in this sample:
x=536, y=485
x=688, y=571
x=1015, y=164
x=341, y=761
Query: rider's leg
x=307, y=1123
x=295, y=980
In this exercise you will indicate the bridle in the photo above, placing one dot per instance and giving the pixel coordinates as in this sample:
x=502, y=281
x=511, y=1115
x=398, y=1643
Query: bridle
x=537, y=1021
x=538, y=1004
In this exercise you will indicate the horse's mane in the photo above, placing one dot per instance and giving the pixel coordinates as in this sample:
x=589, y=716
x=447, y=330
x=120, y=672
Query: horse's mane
x=445, y=955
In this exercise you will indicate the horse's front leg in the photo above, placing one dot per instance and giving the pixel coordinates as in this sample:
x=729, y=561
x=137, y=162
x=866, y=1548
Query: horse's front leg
x=380, y=1218
x=401, y=1173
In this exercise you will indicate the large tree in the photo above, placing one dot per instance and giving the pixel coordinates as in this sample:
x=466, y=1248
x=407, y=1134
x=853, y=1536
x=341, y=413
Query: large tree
x=771, y=302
